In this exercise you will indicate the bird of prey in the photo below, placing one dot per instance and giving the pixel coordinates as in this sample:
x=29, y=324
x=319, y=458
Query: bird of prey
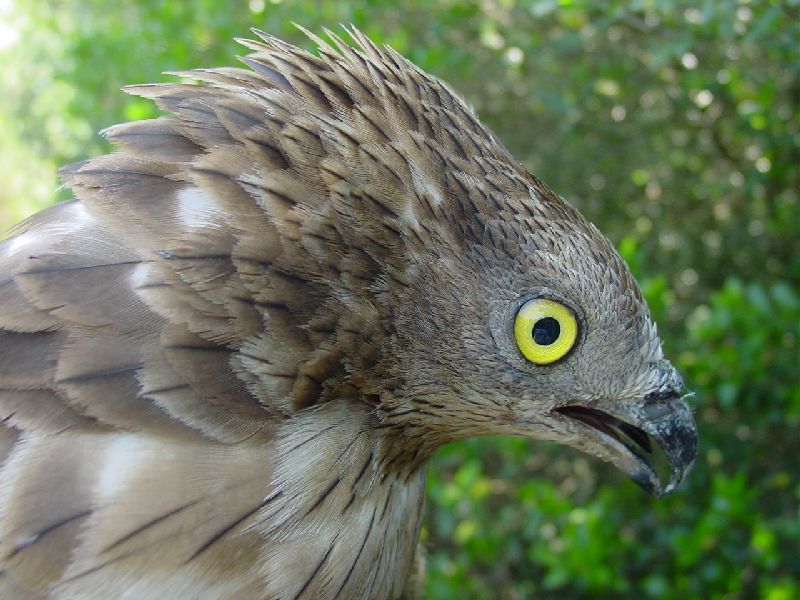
x=224, y=365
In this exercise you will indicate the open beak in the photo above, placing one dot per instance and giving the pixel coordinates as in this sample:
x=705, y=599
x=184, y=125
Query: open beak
x=623, y=433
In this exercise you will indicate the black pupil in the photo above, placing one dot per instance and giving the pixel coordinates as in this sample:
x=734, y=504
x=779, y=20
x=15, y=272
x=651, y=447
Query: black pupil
x=546, y=331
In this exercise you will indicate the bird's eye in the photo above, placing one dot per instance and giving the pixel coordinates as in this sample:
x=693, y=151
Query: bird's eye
x=545, y=330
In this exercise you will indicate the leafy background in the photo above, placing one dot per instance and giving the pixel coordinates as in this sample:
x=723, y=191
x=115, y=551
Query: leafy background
x=672, y=125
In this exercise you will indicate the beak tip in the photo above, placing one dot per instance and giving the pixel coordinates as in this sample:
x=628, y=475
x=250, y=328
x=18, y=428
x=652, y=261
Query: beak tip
x=673, y=485
x=679, y=473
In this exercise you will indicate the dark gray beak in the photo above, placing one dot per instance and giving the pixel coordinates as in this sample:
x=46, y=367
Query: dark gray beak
x=672, y=426
x=626, y=430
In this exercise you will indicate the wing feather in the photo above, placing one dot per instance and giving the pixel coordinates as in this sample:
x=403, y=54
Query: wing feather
x=213, y=301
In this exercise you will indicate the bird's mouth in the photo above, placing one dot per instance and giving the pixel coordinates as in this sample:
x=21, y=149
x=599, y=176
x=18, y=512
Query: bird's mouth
x=626, y=438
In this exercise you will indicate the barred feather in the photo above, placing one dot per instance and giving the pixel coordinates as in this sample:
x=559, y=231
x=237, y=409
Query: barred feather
x=224, y=364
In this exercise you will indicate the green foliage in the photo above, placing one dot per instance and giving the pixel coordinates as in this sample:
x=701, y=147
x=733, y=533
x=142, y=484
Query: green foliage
x=673, y=125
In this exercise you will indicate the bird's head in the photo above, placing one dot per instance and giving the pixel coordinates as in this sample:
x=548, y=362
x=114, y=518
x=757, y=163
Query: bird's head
x=529, y=323
x=423, y=268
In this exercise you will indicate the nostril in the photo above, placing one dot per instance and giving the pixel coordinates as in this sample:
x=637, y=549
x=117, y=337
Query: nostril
x=661, y=395
x=658, y=404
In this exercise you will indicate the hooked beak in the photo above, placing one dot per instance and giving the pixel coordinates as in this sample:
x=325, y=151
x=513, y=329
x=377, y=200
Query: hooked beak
x=621, y=433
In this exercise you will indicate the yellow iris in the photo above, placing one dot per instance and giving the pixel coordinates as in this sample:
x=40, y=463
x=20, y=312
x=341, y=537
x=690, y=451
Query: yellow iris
x=545, y=330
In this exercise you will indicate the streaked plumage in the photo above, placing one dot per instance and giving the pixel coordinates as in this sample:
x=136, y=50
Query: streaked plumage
x=223, y=367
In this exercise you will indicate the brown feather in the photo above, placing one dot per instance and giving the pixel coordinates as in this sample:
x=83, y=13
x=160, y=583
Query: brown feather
x=223, y=367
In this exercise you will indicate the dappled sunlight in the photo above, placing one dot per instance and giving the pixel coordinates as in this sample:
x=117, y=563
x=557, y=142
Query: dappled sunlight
x=9, y=34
